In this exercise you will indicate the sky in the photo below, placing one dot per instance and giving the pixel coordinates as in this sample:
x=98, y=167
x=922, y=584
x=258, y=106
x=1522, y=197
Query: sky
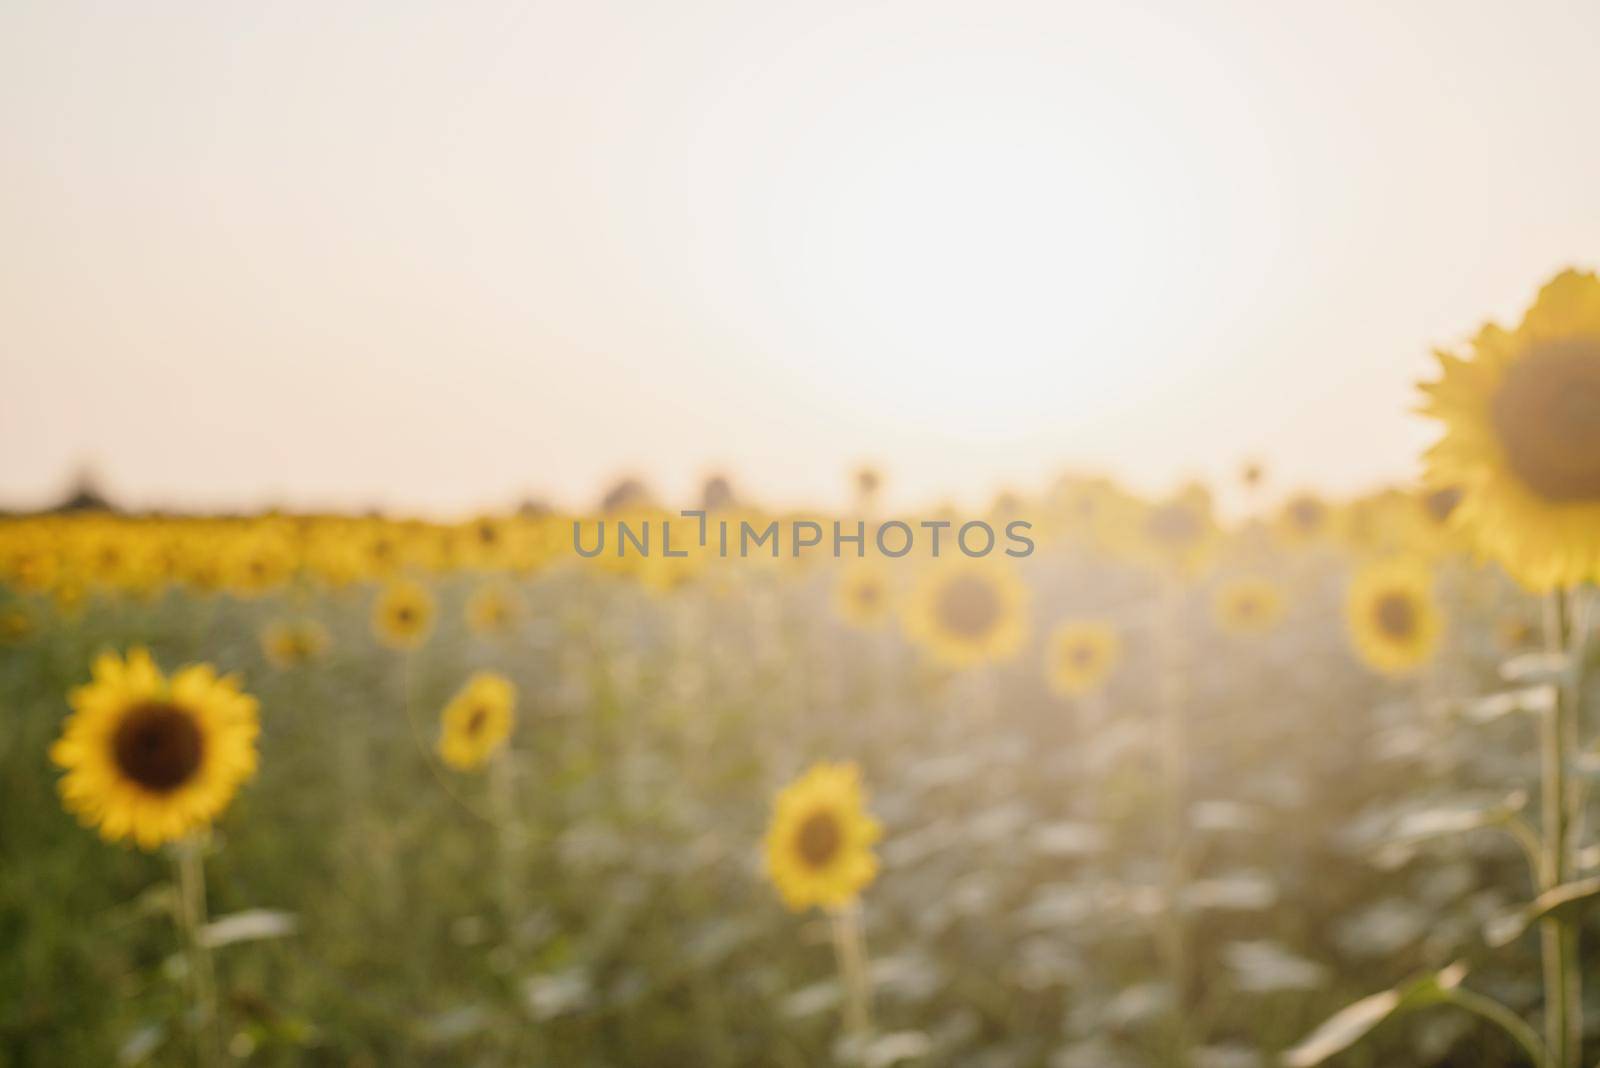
x=444, y=257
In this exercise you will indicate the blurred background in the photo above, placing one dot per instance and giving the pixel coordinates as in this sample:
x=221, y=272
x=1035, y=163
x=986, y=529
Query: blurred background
x=321, y=326
x=401, y=255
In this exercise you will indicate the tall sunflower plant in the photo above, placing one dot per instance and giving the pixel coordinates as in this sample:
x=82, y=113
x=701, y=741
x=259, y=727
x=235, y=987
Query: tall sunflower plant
x=155, y=760
x=1520, y=458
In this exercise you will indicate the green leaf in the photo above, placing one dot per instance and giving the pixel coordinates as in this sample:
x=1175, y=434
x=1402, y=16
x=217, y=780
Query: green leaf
x=1547, y=668
x=1437, y=822
x=1354, y=1022
x=251, y=925
x=1556, y=902
x=1536, y=699
x=141, y=1044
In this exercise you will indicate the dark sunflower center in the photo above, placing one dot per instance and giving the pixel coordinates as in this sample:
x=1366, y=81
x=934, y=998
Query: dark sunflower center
x=1306, y=513
x=969, y=606
x=868, y=595
x=477, y=719
x=819, y=839
x=1547, y=413
x=1173, y=524
x=1082, y=655
x=158, y=745
x=487, y=534
x=1441, y=503
x=1246, y=607
x=405, y=615
x=1396, y=615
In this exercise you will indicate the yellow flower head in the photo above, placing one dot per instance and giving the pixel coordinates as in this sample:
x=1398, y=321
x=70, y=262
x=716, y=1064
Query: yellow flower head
x=291, y=642
x=1393, y=617
x=967, y=611
x=1080, y=656
x=868, y=480
x=1248, y=605
x=493, y=609
x=484, y=543
x=819, y=844
x=1087, y=511
x=862, y=596
x=477, y=721
x=1178, y=535
x=260, y=561
x=1438, y=505
x=1521, y=440
x=403, y=615
x=335, y=552
x=15, y=625
x=30, y=560
x=153, y=759
x=1304, y=520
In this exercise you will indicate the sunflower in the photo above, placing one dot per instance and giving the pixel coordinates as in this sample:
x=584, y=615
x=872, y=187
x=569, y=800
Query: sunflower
x=1521, y=437
x=493, y=609
x=1248, y=605
x=1430, y=531
x=819, y=843
x=862, y=595
x=30, y=558
x=1393, y=618
x=403, y=615
x=483, y=543
x=1080, y=656
x=1304, y=519
x=1178, y=534
x=150, y=758
x=15, y=625
x=1438, y=505
x=204, y=567
x=334, y=552
x=260, y=561
x=1382, y=525
x=868, y=481
x=968, y=611
x=1087, y=511
x=291, y=642
x=477, y=721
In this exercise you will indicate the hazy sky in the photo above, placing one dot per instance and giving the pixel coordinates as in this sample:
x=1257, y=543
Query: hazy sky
x=445, y=255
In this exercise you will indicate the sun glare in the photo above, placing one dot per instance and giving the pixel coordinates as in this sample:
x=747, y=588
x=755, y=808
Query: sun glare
x=947, y=232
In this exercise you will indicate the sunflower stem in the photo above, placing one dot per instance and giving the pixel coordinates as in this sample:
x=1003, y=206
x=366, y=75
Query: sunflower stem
x=850, y=950
x=1175, y=769
x=189, y=866
x=1503, y=1018
x=1558, y=935
x=503, y=809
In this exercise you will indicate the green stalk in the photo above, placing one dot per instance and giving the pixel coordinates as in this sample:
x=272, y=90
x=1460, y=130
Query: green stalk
x=850, y=950
x=1558, y=935
x=1175, y=771
x=1503, y=1018
x=503, y=810
x=189, y=871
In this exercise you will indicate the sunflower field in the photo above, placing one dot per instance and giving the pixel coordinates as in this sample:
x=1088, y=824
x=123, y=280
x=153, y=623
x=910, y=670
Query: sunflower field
x=1306, y=785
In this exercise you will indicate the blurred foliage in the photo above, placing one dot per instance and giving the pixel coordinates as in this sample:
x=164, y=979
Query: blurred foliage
x=1337, y=826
